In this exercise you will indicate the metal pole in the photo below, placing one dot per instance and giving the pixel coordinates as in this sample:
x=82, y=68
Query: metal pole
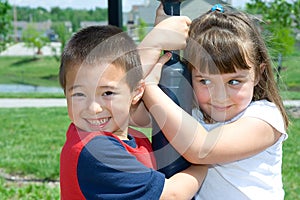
x=115, y=13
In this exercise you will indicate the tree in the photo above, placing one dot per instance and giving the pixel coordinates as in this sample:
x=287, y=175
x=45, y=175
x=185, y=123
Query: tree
x=5, y=23
x=280, y=18
x=142, y=29
x=63, y=33
x=296, y=13
x=34, y=38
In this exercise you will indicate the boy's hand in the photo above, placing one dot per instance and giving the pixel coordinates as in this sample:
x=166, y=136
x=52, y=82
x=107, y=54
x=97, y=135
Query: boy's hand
x=154, y=73
x=170, y=34
x=175, y=24
x=160, y=14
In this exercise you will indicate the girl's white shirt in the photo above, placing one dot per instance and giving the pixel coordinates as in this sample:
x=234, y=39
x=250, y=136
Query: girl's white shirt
x=257, y=177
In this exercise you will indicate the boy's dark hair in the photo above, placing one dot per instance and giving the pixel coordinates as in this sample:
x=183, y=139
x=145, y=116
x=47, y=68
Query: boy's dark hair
x=96, y=45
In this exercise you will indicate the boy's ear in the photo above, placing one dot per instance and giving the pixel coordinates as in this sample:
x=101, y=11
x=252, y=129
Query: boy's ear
x=138, y=92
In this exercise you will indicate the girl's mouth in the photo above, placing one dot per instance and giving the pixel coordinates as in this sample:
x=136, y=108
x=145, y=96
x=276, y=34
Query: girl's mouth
x=221, y=108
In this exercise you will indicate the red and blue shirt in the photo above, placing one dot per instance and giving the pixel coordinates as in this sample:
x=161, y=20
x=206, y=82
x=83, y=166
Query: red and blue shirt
x=99, y=165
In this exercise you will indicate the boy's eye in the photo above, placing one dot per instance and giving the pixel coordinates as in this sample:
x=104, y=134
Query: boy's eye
x=108, y=93
x=234, y=82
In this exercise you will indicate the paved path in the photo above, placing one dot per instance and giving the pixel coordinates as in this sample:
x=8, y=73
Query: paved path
x=20, y=49
x=61, y=102
x=19, y=103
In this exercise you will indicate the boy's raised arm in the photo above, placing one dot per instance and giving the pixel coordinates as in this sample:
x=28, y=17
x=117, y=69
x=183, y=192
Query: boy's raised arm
x=169, y=34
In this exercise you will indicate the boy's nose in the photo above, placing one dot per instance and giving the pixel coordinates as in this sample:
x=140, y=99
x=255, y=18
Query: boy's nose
x=95, y=107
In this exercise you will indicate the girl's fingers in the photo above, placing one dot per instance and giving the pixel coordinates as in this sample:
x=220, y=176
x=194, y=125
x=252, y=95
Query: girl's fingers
x=163, y=59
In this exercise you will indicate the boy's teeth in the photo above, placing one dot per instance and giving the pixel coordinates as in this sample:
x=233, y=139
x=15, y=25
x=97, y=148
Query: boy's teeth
x=98, y=122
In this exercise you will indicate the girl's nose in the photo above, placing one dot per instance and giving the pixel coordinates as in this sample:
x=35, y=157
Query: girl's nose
x=95, y=107
x=220, y=92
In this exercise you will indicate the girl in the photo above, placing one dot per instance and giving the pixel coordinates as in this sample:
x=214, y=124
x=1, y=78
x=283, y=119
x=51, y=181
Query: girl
x=240, y=122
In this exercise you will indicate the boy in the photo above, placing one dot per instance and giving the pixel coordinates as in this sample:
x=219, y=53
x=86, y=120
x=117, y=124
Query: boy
x=102, y=158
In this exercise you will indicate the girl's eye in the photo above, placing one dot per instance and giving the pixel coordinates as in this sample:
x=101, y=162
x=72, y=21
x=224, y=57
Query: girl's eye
x=234, y=82
x=205, y=81
x=108, y=93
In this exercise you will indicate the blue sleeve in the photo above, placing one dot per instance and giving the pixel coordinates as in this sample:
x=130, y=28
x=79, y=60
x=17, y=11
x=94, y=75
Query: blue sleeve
x=107, y=171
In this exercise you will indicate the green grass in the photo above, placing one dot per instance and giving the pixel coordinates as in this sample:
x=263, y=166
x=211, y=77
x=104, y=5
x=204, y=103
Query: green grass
x=290, y=95
x=13, y=191
x=38, y=71
x=290, y=74
x=31, y=140
x=289, y=82
x=43, y=71
x=291, y=162
x=31, y=95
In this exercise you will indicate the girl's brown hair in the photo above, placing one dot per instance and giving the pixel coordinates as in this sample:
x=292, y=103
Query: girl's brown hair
x=221, y=42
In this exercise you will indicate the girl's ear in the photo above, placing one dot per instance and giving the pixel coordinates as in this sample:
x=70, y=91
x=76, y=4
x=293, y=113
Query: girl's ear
x=262, y=68
x=138, y=92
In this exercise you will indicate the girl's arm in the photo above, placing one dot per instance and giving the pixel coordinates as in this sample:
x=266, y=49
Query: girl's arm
x=243, y=138
x=185, y=184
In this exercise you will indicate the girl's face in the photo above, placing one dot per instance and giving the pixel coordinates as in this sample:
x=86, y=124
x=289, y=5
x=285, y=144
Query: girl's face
x=99, y=99
x=223, y=96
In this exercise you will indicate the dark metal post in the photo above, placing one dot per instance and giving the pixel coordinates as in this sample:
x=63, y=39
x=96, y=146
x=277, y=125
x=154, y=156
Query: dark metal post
x=279, y=67
x=115, y=13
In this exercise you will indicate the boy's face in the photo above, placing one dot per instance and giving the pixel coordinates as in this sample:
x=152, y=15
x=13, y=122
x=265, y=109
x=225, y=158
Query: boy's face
x=99, y=98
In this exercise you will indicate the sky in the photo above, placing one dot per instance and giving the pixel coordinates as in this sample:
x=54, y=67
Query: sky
x=87, y=4
x=80, y=4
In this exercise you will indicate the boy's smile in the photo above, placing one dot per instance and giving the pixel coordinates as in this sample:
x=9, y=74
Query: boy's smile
x=99, y=99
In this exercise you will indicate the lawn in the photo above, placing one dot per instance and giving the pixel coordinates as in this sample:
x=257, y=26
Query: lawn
x=291, y=162
x=31, y=140
x=37, y=71
x=291, y=71
x=290, y=80
x=43, y=71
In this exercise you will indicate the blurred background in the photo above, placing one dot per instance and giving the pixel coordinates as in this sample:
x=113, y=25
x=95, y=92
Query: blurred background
x=32, y=36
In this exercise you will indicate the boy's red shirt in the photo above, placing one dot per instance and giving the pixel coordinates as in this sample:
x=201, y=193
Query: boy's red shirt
x=76, y=141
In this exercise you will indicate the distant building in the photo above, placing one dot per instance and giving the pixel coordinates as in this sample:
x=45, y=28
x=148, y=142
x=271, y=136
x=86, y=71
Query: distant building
x=146, y=12
x=195, y=8
x=45, y=27
x=85, y=24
